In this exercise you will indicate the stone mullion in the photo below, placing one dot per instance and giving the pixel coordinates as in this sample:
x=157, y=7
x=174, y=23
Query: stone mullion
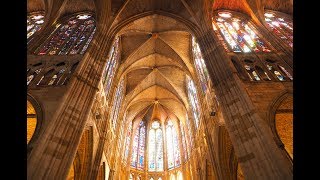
x=253, y=143
x=60, y=139
x=164, y=140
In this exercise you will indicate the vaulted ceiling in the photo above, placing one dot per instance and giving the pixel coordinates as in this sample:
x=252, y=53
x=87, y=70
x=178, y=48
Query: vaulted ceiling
x=156, y=57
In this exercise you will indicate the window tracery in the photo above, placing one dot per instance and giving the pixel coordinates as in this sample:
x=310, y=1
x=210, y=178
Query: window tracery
x=237, y=34
x=70, y=37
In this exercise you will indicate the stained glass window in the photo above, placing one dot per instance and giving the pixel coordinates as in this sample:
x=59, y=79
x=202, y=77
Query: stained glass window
x=117, y=100
x=56, y=79
x=111, y=67
x=189, y=142
x=173, y=151
x=184, y=143
x=201, y=68
x=286, y=72
x=193, y=99
x=237, y=35
x=279, y=72
x=34, y=23
x=33, y=75
x=71, y=37
x=137, y=159
x=127, y=142
x=155, y=147
x=252, y=73
x=280, y=25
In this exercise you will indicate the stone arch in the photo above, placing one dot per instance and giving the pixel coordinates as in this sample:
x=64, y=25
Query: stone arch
x=84, y=156
x=39, y=116
x=281, y=123
x=227, y=156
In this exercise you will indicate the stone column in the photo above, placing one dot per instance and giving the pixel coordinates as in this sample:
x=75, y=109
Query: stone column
x=54, y=152
x=251, y=137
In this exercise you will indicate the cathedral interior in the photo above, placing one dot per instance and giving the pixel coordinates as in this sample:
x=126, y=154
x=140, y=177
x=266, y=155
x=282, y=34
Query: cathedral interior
x=160, y=90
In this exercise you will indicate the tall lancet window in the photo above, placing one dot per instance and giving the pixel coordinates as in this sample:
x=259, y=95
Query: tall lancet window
x=111, y=67
x=184, y=142
x=138, y=147
x=127, y=143
x=117, y=100
x=34, y=23
x=155, y=146
x=237, y=34
x=173, y=150
x=201, y=68
x=71, y=36
x=193, y=100
x=281, y=25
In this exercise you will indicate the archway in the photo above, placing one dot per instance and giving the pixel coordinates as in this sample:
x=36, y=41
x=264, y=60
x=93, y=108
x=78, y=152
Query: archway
x=34, y=120
x=283, y=122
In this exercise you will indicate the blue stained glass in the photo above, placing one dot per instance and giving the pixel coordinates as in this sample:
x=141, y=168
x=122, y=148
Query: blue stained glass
x=70, y=37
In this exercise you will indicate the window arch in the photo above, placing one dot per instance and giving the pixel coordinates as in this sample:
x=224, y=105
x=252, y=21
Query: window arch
x=237, y=34
x=194, y=102
x=173, y=150
x=34, y=23
x=155, y=146
x=156, y=136
x=200, y=66
x=70, y=37
x=280, y=25
x=138, y=147
x=31, y=120
x=112, y=64
x=117, y=100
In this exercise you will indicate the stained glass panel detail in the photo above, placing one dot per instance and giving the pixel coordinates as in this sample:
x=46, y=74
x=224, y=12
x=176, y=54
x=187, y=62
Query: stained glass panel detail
x=184, y=143
x=281, y=26
x=201, y=68
x=138, y=147
x=111, y=67
x=127, y=143
x=173, y=150
x=155, y=148
x=193, y=99
x=70, y=37
x=34, y=23
x=117, y=100
x=238, y=34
